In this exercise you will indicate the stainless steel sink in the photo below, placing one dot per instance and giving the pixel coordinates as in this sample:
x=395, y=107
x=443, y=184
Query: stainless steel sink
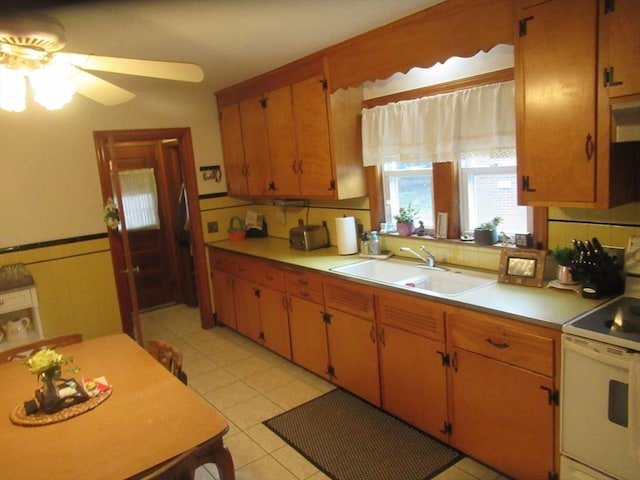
x=411, y=275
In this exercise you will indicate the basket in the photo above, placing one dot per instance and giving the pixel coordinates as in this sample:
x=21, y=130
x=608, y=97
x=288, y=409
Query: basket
x=236, y=229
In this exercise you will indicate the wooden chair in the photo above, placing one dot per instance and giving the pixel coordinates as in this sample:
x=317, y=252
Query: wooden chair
x=25, y=351
x=169, y=356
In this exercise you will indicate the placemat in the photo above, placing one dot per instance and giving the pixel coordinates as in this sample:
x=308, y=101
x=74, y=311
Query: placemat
x=20, y=417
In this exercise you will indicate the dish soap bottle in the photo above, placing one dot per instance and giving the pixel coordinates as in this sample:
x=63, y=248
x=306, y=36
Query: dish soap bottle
x=374, y=244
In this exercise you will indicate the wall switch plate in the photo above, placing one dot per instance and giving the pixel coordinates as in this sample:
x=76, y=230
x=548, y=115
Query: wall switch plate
x=212, y=227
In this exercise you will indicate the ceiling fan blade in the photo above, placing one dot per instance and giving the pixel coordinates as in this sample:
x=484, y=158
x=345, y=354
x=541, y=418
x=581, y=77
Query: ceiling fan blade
x=185, y=72
x=97, y=89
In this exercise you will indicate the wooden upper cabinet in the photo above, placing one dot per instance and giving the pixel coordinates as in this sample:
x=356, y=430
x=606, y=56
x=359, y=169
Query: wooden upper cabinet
x=555, y=71
x=619, y=38
x=233, y=150
x=254, y=140
x=312, y=133
x=292, y=148
x=283, y=177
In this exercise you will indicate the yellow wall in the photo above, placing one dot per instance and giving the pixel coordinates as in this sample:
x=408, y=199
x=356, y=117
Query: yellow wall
x=75, y=287
x=612, y=227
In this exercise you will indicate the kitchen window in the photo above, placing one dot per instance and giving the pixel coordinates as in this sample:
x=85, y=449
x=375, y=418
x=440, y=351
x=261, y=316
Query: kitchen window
x=472, y=131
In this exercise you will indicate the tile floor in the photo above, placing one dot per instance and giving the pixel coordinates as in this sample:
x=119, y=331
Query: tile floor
x=249, y=384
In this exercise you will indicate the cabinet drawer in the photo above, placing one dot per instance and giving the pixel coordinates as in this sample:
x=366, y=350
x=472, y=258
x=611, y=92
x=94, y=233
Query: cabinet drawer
x=17, y=300
x=350, y=298
x=411, y=314
x=221, y=260
x=306, y=280
x=271, y=276
x=481, y=334
x=314, y=296
x=246, y=267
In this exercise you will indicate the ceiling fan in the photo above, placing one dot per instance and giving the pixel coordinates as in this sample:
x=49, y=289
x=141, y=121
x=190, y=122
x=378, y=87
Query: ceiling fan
x=30, y=46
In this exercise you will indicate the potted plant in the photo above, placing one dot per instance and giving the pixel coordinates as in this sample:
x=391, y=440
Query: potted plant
x=404, y=220
x=487, y=232
x=564, y=256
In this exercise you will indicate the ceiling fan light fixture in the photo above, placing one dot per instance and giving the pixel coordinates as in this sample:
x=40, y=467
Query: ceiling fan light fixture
x=13, y=89
x=51, y=87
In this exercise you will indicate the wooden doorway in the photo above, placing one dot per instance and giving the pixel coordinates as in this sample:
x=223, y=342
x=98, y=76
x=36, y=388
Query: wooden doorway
x=156, y=266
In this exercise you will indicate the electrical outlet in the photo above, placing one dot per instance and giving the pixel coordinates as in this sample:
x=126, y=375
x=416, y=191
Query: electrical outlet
x=212, y=227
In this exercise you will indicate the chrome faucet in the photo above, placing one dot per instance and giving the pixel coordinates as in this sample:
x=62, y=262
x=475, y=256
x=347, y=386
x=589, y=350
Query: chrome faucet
x=429, y=260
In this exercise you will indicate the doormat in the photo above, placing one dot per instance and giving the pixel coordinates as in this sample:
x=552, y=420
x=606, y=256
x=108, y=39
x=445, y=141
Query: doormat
x=350, y=439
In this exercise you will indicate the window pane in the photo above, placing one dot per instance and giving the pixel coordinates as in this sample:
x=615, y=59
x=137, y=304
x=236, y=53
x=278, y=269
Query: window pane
x=490, y=194
x=409, y=183
x=139, y=199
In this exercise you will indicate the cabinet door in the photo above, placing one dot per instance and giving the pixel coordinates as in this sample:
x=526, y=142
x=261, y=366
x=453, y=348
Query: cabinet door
x=232, y=150
x=223, y=294
x=308, y=336
x=620, y=45
x=555, y=79
x=283, y=163
x=275, y=322
x=254, y=139
x=414, y=380
x=312, y=135
x=247, y=304
x=502, y=415
x=353, y=355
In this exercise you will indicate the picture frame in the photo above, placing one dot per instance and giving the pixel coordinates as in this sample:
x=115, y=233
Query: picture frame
x=522, y=266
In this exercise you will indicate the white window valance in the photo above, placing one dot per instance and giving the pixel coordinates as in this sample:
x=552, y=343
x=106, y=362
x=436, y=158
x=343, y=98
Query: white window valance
x=441, y=128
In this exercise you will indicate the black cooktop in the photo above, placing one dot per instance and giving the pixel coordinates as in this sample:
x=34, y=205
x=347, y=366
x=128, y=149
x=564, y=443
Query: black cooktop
x=619, y=319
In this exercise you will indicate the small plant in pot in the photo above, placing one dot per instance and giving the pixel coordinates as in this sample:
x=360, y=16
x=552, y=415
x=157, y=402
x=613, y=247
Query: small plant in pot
x=487, y=232
x=405, y=218
x=564, y=256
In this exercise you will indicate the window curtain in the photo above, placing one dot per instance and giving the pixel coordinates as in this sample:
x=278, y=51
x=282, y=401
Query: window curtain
x=441, y=128
x=139, y=199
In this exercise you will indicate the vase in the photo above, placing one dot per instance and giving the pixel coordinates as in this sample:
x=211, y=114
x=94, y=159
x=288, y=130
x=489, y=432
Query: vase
x=564, y=275
x=404, y=229
x=485, y=237
x=48, y=396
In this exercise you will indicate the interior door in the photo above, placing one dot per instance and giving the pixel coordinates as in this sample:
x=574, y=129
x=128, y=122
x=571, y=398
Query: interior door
x=152, y=250
x=178, y=142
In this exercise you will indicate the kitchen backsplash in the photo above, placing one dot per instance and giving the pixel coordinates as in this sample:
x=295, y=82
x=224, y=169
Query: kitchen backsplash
x=612, y=227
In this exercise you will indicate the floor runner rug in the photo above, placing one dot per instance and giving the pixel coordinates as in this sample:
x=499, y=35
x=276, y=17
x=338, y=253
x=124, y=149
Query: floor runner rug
x=350, y=439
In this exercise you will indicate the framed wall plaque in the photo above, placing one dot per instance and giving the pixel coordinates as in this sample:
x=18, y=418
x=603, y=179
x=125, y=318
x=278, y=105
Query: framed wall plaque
x=522, y=267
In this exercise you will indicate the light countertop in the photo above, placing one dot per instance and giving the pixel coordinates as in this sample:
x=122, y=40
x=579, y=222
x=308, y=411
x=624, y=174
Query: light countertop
x=549, y=307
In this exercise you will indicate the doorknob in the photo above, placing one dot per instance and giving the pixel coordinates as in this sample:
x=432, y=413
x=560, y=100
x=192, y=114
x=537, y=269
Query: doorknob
x=126, y=271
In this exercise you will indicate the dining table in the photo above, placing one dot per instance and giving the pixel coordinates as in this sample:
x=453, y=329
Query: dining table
x=146, y=420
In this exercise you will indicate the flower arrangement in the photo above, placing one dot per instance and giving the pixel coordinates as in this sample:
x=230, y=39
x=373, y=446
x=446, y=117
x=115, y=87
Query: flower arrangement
x=47, y=364
x=407, y=214
x=111, y=215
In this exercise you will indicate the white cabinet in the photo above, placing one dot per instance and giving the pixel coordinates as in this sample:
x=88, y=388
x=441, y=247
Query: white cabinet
x=14, y=305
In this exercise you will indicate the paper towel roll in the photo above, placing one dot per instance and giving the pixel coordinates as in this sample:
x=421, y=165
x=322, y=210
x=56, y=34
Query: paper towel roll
x=346, y=235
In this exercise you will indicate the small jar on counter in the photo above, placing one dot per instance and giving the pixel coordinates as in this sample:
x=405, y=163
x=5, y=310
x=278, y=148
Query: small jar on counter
x=364, y=244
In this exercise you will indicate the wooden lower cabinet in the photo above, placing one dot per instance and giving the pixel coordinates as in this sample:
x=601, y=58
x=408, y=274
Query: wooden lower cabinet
x=247, y=305
x=223, y=297
x=353, y=344
x=414, y=380
x=502, y=416
x=308, y=335
x=413, y=359
x=502, y=394
x=353, y=355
